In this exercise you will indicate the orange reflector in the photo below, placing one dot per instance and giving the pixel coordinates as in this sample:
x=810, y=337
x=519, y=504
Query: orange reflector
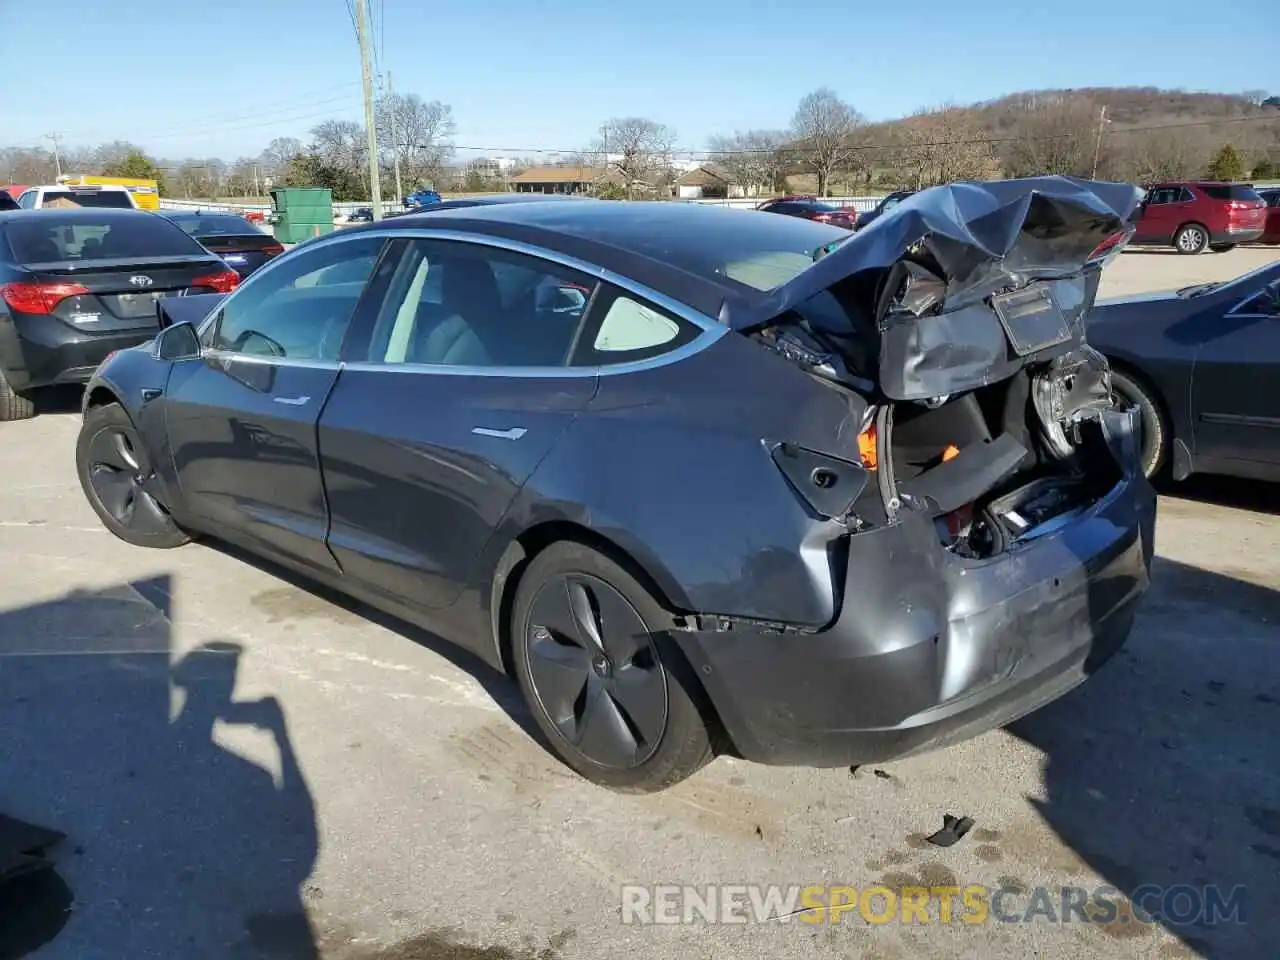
x=867, y=447
x=950, y=453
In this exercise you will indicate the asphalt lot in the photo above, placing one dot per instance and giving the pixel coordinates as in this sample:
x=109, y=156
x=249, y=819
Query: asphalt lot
x=393, y=805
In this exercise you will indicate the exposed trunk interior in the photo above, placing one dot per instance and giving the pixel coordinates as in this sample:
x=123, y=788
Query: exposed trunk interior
x=996, y=465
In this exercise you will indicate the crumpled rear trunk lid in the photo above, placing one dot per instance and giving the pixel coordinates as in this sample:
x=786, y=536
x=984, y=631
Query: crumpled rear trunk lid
x=957, y=287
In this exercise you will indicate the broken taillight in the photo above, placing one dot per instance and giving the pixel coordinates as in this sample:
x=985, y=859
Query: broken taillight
x=867, y=441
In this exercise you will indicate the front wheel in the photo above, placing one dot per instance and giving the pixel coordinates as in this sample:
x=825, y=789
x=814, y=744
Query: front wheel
x=1191, y=239
x=606, y=685
x=1222, y=247
x=1154, y=434
x=119, y=482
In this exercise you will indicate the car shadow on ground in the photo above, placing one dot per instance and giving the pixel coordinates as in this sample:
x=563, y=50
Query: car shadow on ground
x=497, y=685
x=1164, y=769
x=1226, y=492
x=175, y=845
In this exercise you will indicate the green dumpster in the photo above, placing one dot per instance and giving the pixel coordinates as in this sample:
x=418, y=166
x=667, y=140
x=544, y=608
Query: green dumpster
x=301, y=213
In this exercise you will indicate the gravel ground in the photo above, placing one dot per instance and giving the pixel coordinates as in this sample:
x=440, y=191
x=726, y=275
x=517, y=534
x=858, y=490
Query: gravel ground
x=245, y=767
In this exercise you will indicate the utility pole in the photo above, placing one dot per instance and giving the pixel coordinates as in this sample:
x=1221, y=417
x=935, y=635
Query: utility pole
x=395, y=139
x=1097, y=147
x=57, y=158
x=257, y=190
x=366, y=76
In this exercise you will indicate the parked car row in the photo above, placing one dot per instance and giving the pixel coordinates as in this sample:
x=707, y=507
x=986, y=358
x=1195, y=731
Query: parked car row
x=1191, y=216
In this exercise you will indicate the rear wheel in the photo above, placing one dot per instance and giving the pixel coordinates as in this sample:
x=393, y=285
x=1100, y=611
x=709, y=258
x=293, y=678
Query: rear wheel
x=14, y=405
x=1221, y=247
x=119, y=482
x=1191, y=238
x=1154, y=433
x=606, y=685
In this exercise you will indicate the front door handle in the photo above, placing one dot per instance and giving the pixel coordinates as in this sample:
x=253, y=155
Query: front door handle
x=291, y=401
x=515, y=433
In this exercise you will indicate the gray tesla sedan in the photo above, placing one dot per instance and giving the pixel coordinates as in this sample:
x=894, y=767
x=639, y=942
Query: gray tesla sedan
x=701, y=479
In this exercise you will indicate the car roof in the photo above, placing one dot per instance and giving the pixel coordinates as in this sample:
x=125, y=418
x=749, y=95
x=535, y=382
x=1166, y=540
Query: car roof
x=643, y=240
x=81, y=215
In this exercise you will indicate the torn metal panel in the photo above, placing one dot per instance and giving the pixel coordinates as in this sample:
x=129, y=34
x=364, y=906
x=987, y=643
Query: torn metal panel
x=960, y=286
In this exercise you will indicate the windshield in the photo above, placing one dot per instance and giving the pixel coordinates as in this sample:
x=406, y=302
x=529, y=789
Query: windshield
x=53, y=238
x=112, y=199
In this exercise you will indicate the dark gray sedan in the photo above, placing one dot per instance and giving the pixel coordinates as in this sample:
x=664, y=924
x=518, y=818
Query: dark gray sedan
x=1201, y=364
x=699, y=478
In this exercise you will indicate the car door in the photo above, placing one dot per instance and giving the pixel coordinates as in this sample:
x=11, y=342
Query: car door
x=1156, y=223
x=449, y=400
x=1233, y=395
x=241, y=419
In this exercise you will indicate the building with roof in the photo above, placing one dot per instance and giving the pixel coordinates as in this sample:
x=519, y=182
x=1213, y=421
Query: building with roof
x=708, y=181
x=574, y=178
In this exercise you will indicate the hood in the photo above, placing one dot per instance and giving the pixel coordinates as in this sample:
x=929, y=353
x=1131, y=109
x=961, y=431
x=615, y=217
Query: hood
x=956, y=286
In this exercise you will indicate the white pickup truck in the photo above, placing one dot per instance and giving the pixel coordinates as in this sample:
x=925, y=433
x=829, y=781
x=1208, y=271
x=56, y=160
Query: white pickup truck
x=35, y=198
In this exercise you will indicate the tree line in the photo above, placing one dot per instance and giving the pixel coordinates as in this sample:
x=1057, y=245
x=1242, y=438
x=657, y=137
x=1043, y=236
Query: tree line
x=1133, y=134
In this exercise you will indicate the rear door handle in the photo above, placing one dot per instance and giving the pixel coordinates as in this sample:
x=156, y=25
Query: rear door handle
x=291, y=401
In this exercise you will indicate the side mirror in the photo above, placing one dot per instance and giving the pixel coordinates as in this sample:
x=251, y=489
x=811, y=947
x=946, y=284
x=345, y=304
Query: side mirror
x=177, y=342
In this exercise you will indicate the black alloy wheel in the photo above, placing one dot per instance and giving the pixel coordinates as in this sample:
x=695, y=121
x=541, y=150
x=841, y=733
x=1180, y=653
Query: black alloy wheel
x=119, y=482
x=596, y=672
x=607, y=685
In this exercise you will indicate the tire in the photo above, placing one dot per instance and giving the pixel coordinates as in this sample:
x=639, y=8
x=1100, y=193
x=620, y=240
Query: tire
x=1155, y=434
x=1222, y=247
x=119, y=482
x=14, y=405
x=612, y=694
x=1191, y=238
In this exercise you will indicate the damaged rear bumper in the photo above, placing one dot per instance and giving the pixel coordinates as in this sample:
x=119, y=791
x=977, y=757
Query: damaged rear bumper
x=931, y=648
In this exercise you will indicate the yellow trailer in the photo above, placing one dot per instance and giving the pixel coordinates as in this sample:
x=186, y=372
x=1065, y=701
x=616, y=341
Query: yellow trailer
x=146, y=193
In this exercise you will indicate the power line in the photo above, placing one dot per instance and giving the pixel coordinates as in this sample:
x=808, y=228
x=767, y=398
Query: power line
x=259, y=119
x=970, y=141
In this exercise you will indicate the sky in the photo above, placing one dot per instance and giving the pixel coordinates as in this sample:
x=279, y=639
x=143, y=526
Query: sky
x=203, y=79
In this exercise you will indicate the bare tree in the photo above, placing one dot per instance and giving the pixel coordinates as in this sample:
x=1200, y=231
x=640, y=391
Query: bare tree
x=277, y=156
x=1057, y=136
x=423, y=135
x=943, y=146
x=1160, y=155
x=341, y=144
x=643, y=148
x=823, y=126
x=753, y=158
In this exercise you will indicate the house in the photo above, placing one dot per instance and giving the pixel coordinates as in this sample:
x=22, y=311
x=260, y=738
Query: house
x=708, y=181
x=565, y=179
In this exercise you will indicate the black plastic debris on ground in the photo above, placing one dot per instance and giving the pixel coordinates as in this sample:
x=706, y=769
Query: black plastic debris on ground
x=35, y=902
x=952, y=832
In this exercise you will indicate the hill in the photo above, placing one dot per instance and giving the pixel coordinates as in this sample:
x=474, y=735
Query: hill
x=1149, y=134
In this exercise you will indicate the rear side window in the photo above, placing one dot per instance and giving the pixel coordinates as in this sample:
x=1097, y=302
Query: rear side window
x=50, y=237
x=624, y=329
x=1230, y=191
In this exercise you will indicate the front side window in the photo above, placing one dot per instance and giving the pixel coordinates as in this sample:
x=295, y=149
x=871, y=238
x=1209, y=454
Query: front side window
x=469, y=305
x=27, y=200
x=301, y=308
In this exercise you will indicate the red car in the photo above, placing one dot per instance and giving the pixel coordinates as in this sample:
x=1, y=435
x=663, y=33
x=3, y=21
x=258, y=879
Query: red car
x=1271, y=232
x=811, y=208
x=1193, y=215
